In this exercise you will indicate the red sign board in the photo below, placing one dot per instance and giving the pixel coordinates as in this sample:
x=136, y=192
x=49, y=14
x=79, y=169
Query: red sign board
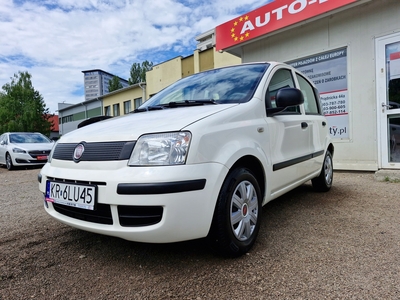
x=395, y=55
x=275, y=15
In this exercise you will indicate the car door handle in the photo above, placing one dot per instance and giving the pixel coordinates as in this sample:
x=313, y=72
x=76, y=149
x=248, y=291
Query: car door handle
x=304, y=125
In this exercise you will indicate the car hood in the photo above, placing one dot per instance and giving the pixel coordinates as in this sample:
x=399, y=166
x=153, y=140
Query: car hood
x=131, y=127
x=32, y=146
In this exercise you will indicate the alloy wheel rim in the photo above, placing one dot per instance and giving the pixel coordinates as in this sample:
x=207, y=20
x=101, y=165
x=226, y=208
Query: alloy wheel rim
x=328, y=170
x=244, y=211
x=8, y=161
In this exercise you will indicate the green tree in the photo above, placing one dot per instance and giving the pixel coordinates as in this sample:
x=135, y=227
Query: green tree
x=22, y=107
x=138, y=72
x=114, y=84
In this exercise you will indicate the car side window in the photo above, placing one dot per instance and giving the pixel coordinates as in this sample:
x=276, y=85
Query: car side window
x=3, y=139
x=310, y=99
x=281, y=79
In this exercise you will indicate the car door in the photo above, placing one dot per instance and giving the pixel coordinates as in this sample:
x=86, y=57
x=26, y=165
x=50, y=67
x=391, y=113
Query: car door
x=317, y=123
x=290, y=133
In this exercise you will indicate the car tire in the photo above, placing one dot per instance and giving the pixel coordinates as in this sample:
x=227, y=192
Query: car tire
x=9, y=163
x=237, y=215
x=323, y=182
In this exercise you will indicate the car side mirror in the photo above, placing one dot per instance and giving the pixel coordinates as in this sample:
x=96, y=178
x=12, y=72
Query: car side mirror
x=2, y=143
x=286, y=97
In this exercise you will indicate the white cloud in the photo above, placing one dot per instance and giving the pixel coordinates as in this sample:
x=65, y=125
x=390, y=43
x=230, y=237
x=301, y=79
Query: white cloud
x=54, y=40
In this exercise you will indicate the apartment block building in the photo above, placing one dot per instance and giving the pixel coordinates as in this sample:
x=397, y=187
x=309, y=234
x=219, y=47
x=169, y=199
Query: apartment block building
x=96, y=83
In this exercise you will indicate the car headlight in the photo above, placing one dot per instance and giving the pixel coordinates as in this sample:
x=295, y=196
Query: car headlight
x=18, y=150
x=161, y=149
x=52, y=152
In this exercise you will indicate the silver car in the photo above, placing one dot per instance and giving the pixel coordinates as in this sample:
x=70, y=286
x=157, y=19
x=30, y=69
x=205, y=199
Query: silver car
x=24, y=149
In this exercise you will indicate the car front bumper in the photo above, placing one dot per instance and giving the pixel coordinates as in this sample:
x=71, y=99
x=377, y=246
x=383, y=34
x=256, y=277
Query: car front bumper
x=186, y=196
x=24, y=159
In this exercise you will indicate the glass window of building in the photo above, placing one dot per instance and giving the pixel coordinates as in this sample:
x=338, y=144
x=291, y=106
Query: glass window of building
x=66, y=119
x=107, y=111
x=138, y=102
x=127, y=107
x=116, y=109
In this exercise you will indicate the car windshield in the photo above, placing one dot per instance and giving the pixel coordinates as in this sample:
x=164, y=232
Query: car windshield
x=23, y=138
x=226, y=85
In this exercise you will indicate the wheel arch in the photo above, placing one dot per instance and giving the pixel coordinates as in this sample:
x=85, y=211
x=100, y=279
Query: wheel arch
x=255, y=166
x=5, y=156
x=331, y=148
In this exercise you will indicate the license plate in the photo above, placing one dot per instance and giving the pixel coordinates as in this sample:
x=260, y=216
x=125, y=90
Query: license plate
x=75, y=195
x=41, y=157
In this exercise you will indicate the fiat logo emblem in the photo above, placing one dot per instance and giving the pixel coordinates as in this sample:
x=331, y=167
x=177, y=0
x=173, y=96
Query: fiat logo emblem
x=78, y=152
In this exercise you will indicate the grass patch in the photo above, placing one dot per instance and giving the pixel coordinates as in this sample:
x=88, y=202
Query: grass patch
x=388, y=179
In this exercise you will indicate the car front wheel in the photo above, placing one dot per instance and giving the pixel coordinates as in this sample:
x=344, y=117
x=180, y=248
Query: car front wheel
x=237, y=214
x=9, y=163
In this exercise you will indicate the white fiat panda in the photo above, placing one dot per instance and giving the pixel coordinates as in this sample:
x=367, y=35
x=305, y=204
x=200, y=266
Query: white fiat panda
x=199, y=159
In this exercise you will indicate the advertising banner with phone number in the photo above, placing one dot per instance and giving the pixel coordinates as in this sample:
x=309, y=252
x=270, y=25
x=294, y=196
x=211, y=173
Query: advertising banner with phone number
x=328, y=71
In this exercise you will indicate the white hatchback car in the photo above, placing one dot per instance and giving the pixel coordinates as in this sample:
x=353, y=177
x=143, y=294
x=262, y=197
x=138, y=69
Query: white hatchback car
x=198, y=159
x=24, y=149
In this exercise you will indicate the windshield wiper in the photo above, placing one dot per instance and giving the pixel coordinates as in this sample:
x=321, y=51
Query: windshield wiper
x=175, y=104
x=148, y=108
x=190, y=103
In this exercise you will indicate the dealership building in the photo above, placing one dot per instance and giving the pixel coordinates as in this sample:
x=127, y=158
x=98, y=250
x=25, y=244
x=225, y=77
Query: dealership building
x=351, y=51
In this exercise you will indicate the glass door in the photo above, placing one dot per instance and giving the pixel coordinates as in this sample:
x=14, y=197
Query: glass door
x=388, y=92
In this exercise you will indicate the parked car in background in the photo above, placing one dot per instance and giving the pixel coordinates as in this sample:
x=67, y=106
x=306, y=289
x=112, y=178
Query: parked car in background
x=24, y=149
x=200, y=158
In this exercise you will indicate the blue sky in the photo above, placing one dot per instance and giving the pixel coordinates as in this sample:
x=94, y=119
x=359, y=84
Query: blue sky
x=55, y=40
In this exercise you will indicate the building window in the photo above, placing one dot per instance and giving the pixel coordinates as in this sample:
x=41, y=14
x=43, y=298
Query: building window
x=127, y=107
x=116, y=109
x=107, y=111
x=66, y=119
x=138, y=102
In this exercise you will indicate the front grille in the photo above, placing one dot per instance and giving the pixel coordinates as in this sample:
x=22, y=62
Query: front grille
x=105, y=151
x=134, y=216
x=37, y=153
x=101, y=215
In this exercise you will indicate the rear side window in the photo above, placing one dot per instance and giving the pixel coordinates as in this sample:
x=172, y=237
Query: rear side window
x=310, y=99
